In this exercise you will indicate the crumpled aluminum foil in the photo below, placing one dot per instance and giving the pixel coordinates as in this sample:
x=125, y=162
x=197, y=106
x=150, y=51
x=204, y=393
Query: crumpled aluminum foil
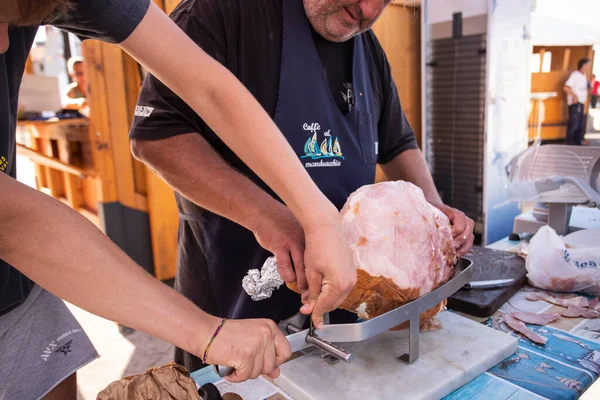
x=260, y=284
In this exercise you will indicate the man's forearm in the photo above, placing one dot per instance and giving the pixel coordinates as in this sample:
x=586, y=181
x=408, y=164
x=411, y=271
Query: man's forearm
x=69, y=103
x=230, y=110
x=193, y=168
x=67, y=255
x=410, y=166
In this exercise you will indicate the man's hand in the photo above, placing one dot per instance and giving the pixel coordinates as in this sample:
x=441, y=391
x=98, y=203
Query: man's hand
x=279, y=232
x=253, y=347
x=462, y=228
x=328, y=279
x=330, y=270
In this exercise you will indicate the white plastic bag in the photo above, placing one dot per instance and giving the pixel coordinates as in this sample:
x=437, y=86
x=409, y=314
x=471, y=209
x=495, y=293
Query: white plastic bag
x=569, y=264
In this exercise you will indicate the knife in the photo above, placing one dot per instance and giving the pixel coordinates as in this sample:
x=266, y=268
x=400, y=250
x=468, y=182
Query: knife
x=491, y=284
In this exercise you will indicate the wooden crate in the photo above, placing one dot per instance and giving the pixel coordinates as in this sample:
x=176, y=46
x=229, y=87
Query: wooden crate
x=61, y=151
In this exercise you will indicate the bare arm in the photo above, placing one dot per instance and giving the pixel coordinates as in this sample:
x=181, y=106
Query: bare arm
x=70, y=103
x=193, y=168
x=63, y=252
x=231, y=111
x=410, y=166
x=570, y=92
x=228, y=109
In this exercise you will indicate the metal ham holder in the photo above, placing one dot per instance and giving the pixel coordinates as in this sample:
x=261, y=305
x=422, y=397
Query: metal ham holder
x=357, y=332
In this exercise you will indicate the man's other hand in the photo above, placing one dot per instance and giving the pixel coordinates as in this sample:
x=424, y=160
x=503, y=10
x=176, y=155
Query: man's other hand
x=330, y=270
x=462, y=228
x=278, y=231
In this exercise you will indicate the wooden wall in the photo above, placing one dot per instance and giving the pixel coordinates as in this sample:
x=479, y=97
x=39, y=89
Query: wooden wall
x=115, y=81
x=168, y=5
x=399, y=32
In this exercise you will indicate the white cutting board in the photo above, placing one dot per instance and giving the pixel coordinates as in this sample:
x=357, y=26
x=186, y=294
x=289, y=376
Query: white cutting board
x=449, y=358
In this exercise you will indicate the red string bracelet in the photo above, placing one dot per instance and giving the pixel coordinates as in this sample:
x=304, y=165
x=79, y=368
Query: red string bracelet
x=213, y=338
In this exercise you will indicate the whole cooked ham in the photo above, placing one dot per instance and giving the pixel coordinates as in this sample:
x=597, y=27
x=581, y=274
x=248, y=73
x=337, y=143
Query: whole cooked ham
x=402, y=246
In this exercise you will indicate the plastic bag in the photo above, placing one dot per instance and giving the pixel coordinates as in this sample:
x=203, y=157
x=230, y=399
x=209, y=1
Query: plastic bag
x=569, y=264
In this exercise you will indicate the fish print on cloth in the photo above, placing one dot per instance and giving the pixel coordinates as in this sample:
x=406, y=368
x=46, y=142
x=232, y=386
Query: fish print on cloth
x=487, y=386
x=543, y=376
x=562, y=369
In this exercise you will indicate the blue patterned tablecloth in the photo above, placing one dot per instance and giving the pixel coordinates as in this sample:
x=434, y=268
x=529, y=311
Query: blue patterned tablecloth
x=564, y=368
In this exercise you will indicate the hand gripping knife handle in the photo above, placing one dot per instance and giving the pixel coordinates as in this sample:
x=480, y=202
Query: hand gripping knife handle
x=311, y=339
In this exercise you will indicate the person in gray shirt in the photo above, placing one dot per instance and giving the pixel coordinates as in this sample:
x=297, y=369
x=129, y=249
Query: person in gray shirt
x=43, y=241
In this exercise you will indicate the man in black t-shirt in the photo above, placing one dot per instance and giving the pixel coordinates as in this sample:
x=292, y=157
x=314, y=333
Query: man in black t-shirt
x=319, y=71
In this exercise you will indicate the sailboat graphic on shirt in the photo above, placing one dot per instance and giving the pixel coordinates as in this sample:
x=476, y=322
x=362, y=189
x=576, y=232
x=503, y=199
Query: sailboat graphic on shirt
x=329, y=148
x=337, y=151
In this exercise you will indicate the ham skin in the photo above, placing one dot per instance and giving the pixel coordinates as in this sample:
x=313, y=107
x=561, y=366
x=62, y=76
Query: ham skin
x=520, y=327
x=402, y=248
x=594, y=305
x=576, y=306
x=576, y=301
x=535, y=319
x=575, y=312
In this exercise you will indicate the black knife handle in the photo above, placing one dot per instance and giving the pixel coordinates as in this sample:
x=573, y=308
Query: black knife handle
x=209, y=392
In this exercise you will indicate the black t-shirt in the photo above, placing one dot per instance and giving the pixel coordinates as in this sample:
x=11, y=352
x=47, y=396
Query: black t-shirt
x=246, y=37
x=109, y=20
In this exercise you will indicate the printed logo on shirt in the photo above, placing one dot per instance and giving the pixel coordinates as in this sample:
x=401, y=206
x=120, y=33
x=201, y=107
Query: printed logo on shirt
x=348, y=95
x=315, y=150
x=143, y=111
x=3, y=164
x=55, y=346
x=65, y=348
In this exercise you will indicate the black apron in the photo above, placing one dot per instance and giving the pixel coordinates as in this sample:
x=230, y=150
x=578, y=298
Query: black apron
x=339, y=152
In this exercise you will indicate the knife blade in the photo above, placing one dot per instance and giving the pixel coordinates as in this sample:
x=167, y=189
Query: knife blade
x=489, y=284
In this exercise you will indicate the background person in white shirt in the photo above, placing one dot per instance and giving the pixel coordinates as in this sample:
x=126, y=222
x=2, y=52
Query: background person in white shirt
x=577, y=89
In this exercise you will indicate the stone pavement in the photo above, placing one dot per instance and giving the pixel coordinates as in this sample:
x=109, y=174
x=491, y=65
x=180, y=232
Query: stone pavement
x=120, y=355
